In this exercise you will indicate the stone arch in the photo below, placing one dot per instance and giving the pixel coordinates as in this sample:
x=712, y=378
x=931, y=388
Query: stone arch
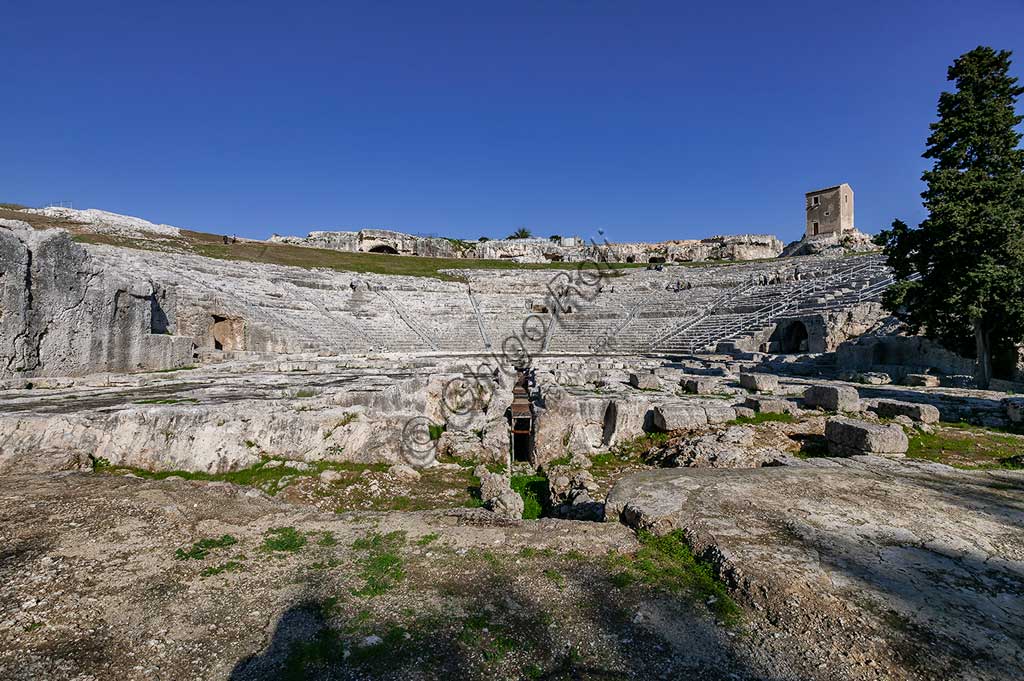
x=792, y=337
x=384, y=248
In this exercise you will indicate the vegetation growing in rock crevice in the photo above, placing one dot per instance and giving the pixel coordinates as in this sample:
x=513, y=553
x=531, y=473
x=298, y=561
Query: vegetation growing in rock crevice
x=667, y=562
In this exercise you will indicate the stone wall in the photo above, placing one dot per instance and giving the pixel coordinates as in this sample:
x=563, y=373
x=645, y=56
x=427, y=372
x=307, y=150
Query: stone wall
x=62, y=315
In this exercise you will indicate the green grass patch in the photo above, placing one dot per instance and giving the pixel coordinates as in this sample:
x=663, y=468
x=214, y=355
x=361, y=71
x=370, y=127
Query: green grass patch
x=258, y=475
x=428, y=539
x=283, y=539
x=213, y=246
x=761, y=417
x=327, y=539
x=230, y=566
x=667, y=563
x=380, y=566
x=556, y=577
x=200, y=549
x=534, y=491
x=968, y=447
x=632, y=448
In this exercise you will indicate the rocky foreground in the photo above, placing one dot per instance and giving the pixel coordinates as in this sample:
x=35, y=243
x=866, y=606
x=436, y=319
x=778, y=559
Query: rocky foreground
x=864, y=569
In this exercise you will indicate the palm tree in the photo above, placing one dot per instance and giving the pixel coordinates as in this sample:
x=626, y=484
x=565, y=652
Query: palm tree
x=521, y=233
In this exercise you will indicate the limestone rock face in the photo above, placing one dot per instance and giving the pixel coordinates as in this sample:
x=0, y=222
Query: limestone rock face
x=850, y=437
x=832, y=398
x=922, y=413
x=730, y=448
x=498, y=495
x=61, y=315
x=842, y=545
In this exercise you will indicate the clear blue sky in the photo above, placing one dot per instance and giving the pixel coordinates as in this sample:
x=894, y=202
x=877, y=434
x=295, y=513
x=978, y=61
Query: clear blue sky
x=649, y=120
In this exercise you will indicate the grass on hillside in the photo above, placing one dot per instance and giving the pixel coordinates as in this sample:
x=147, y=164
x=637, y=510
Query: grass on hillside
x=213, y=246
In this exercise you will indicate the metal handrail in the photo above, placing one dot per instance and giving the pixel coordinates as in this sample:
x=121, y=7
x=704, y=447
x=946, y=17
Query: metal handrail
x=765, y=314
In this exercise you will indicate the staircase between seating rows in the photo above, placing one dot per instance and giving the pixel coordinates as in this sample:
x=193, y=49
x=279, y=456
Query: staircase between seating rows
x=753, y=308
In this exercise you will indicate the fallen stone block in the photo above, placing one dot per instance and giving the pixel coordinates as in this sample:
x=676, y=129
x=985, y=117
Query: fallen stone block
x=759, y=383
x=921, y=380
x=699, y=386
x=679, y=416
x=644, y=381
x=832, y=398
x=690, y=415
x=719, y=412
x=851, y=437
x=769, y=405
x=922, y=413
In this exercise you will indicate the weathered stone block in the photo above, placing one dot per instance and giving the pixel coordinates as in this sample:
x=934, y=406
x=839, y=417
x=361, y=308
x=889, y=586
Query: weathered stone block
x=1014, y=409
x=690, y=415
x=921, y=380
x=832, y=398
x=679, y=416
x=769, y=405
x=644, y=381
x=699, y=386
x=849, y=437
x=759, y=383
x=923, y=413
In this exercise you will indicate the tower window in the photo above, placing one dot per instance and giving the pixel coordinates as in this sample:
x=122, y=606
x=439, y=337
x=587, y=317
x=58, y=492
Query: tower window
x=815, y=200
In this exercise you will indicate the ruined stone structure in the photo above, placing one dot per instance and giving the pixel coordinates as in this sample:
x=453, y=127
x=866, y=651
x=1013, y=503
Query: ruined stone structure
x=567, y=249
x=830, y=211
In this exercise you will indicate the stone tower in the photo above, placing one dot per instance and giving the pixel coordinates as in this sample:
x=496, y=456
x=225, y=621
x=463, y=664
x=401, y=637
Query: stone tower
x=830, y=210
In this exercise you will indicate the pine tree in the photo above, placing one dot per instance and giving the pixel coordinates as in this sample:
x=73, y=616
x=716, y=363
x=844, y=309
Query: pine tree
x=969, y=252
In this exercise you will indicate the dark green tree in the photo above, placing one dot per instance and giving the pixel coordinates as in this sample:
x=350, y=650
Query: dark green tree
x=521, y=233
x=960, y=273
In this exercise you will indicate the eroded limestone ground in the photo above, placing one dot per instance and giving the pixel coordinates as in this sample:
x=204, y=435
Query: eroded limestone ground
x=912, y=561
x=114, y=577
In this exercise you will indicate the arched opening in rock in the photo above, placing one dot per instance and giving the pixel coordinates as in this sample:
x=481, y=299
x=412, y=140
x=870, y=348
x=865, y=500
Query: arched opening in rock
x=384, y=248
x=630, y=258
x=880, y=354
x=228, y=333
x=791, y=337
x=656, y=260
